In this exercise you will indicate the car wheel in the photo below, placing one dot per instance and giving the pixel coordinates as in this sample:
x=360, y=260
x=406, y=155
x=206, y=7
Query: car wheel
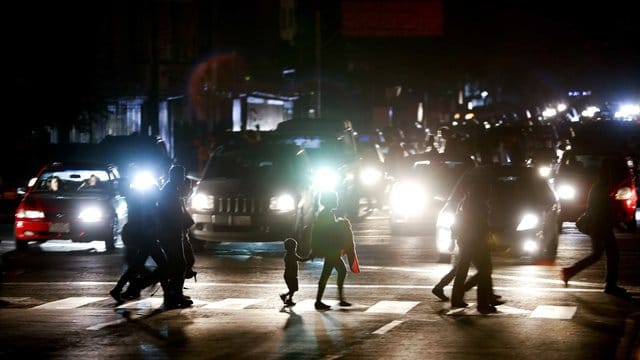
x=22, y=245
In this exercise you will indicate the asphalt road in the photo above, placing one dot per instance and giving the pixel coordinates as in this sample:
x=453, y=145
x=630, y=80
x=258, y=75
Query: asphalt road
x=55, y=304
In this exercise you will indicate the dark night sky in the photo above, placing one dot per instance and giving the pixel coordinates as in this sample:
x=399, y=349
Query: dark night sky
x=49, y=45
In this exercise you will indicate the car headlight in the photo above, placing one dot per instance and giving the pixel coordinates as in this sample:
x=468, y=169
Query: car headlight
x=544, y=171
x=201, y=201
x=284, y=203
x=370, y=176
x=624, y=193
x=407, y=198
x=29, y=214
x=143, y=180
x=528, y=221
x=566, y=192
x=326, y=179
x=445, y=220
x=90, y=214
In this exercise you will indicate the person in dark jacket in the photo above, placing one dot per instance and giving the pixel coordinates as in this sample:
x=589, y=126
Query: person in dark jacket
x=174, y=223
x=329, y=237
x=140, y=238
x=603, y=240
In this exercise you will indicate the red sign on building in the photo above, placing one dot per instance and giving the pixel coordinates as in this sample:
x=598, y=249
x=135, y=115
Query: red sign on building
x=371, y=18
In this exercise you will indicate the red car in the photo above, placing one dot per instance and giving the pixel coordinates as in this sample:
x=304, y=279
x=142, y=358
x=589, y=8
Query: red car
x=80, y=202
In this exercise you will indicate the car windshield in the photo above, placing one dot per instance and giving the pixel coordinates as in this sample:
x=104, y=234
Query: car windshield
x=72, y=181
x=245, y=162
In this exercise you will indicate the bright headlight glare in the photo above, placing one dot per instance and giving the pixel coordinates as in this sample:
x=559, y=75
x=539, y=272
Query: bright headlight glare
x=325, y=179
x=444, y=242
x=566, y=192
x=530, y=246
x=201, y=201
x=143, y=180
x=446, y=220
x=528, y=221
x=282, y=203
x=30, y=214
x=370, y=176
x=90, y=214
x=544, y=171
x=407, y=197
x=624, y=193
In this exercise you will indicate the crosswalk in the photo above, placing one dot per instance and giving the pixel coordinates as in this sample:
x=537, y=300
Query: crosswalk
x=392, y=307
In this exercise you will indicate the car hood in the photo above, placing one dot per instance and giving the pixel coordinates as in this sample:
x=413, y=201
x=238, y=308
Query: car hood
x=247, y=187
x=53, y=203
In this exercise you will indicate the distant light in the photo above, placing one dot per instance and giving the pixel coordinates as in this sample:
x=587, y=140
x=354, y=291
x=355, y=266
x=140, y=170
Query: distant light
x=288, y=71
x=454, y=123
x=590, y=111
x=549, y=112
x=528, y=113
x=484, y=94
x=456, y=116
x=469, y=116
x=470, y=105
x=561, y=107
x=627, y=111
x=247, y=78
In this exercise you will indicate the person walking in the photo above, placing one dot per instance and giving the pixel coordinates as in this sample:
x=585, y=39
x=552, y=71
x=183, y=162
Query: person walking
x=603, y=222
x=140, y=238
x=173, y=227
x=473, y=231
x=291, y=260
x=330, y=236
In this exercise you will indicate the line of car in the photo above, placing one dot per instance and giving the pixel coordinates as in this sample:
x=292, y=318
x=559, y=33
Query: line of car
x=268, y=190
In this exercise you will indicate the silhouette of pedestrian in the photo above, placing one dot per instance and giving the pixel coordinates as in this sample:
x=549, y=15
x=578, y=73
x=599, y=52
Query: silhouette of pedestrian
x=140, y=237
x=330, y=237
x=603, y=240
x=291, y=259
x=473, y=231
x=173, y=228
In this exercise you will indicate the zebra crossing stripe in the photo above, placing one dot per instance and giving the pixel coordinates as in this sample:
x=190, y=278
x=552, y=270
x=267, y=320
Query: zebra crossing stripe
x=232, y=303
x=69, y=303
x=554, y=312
x=387, y=327
x=392, y=307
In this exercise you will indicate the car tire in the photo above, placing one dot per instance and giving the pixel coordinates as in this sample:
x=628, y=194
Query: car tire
x=22, y=245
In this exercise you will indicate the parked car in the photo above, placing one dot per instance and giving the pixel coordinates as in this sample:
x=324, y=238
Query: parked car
x=253, y=192
x=61, y=203
x=418, y=193
x=577, y=172
x=523, y=217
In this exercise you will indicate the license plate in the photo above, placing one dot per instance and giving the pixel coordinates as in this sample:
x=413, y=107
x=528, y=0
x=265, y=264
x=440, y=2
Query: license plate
x=242, y=220
x=59, y=227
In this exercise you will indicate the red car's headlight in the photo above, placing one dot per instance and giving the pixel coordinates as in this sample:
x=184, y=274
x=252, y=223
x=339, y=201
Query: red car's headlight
x=624, y=193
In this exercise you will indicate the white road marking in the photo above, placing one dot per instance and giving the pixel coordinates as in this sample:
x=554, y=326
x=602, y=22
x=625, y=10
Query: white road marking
x=232, y=303
x=69, y=303
x=387, y=327
x=554, y=312
x=104, y=325
x=392, y=307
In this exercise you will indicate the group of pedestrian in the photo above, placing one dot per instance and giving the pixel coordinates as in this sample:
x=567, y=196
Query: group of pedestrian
x=157, y=227
x=472, y=231
x=331, y=239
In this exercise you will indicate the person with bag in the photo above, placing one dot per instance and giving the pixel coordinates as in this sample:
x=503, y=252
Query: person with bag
x=331, y=237
x=602, y=224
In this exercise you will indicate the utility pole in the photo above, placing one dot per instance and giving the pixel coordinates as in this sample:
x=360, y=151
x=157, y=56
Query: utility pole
x=318, y=66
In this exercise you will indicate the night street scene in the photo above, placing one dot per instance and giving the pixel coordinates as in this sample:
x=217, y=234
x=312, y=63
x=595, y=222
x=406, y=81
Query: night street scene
x=339, y=179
